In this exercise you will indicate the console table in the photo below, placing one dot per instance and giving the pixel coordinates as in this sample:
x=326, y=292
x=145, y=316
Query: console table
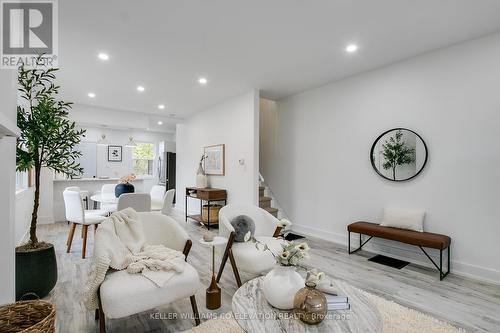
x=209, y=195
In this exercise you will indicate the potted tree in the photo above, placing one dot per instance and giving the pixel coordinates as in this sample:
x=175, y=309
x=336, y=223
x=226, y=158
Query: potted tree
x=47, y=140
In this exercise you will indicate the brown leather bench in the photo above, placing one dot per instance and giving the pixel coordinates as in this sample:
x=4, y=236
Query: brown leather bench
x=420, y=239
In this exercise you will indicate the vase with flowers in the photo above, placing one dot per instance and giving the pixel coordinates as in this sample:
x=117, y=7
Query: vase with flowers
x=124, y=185
x=282, y=283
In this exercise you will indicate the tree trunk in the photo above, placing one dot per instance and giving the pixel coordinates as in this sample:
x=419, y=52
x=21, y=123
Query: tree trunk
x=394, y=172
x=34, y=214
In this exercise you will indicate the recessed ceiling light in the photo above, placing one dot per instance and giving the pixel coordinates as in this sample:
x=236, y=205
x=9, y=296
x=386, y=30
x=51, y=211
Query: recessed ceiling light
x=160, y=122
x=140, y=88
x=202, y=80
x=161, y=106
x=91, y=94
x=103, y=56
x=351, y=48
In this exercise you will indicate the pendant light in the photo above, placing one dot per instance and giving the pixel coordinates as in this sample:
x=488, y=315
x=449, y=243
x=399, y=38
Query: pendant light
x=131, y=143
x=102, y=141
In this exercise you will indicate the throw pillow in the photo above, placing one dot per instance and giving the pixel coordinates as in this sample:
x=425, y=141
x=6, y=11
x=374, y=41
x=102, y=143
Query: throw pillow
x=242, y=224
x=404, y=219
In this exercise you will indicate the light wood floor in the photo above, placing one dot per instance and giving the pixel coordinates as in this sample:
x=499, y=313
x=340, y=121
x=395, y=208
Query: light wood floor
x=466, y=303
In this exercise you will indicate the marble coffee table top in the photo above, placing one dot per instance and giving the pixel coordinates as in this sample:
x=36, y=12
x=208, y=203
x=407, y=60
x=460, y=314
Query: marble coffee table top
x=254, y=314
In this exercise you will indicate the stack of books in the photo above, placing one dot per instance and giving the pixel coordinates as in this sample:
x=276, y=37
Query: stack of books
x=337, y=302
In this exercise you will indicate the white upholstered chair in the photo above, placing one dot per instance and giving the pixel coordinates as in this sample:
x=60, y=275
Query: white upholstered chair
x=83, y=196
x=243, y=255
x=157, y=194
x=108, y=190
x=168, y=202
x=83, y=193
x=123, y=294
x=141, y=202
x=75, y=214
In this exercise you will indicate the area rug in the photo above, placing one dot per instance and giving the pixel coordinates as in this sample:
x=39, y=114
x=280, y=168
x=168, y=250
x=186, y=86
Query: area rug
x=396, y=319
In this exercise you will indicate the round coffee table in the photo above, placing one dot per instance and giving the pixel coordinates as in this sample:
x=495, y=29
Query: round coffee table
x=254, y=314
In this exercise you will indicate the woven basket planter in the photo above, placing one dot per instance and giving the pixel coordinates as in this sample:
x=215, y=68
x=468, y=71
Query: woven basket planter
x=214, y=213
x=28, y=316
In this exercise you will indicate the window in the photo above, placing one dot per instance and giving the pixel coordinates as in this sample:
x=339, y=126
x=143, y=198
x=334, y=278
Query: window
x=143, y=159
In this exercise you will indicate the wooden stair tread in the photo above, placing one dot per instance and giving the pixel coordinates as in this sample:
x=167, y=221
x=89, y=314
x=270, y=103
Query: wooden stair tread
x=265, y=199
x=271, y=209
x=261, y=188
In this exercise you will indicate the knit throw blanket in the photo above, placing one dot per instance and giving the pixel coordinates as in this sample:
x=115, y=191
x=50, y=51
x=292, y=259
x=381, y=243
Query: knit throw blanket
x=120, y=244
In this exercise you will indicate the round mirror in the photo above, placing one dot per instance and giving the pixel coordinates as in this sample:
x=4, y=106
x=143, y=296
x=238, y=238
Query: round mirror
x=399, y=154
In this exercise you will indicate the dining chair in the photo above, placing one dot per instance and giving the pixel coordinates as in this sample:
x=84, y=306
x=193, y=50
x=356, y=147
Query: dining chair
x=168, y=202
x=75, y=214
x=140, y=202
x=157, y=196
x=84, y=195
x=108, y=190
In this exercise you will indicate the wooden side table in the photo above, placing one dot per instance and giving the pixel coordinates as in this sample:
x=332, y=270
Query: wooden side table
x=213, y=294
x=209, y=195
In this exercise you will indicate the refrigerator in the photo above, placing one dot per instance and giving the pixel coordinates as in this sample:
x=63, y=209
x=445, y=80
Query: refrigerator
x=166, y=170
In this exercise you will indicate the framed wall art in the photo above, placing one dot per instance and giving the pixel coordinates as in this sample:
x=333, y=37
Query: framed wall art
x=214, y=162
x=114, y=153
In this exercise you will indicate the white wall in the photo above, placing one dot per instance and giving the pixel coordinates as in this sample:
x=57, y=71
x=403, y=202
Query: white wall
x=322, y=174
x=8, y=101
x=268, y=120
x=23, y=211
x=235, y=124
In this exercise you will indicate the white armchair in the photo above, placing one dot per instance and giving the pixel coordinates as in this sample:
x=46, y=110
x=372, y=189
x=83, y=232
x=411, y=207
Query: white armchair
x=244, y=255
x=123, y=294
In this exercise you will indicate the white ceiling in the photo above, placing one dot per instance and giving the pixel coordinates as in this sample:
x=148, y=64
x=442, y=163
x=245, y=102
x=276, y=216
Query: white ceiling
x=278, y=46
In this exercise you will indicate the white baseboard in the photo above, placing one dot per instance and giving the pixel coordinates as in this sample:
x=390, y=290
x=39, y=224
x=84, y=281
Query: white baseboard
x=403, y=252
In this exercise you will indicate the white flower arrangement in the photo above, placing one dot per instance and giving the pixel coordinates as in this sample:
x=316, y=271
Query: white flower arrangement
x=291, y=252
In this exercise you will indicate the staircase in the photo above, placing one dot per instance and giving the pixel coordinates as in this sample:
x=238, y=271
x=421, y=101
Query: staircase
x=265, y=202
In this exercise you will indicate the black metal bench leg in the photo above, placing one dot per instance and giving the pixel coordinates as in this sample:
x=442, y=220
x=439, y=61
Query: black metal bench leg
x=361, y=244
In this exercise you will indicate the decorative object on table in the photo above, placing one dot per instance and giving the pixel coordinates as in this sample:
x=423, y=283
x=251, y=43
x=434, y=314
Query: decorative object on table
x=208, y=236
x=114, y=153
x=201, y=177
x=282, y=283
x=244, y=227
x=213, y=293
x=124, y=185
x=310, y=304
x=398, y=154
x=207, y=197
x=215, y=160
x=44, y=125
x=28, y=316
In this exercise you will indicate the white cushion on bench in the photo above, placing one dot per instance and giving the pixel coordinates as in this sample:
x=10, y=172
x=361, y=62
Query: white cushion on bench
x=410, y=219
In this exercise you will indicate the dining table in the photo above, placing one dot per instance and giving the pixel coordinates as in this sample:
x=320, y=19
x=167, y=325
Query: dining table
x=107, y=199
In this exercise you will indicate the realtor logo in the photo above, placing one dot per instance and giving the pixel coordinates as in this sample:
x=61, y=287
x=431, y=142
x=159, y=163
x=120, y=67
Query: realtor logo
x=29, y=29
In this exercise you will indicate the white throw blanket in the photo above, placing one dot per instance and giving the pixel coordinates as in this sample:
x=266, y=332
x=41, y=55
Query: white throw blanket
x=120, y=244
